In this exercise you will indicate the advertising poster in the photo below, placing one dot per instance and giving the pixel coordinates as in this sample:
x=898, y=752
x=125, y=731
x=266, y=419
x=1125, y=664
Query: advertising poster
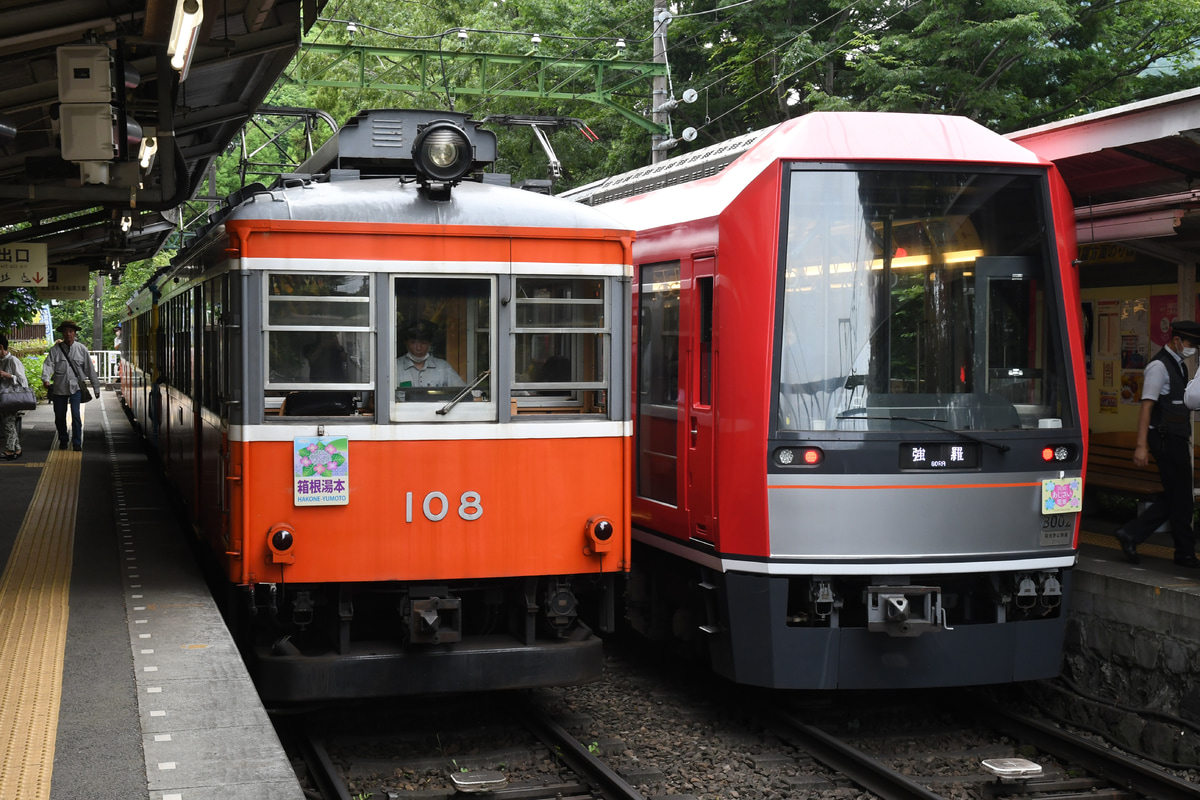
x=1089, y=325
x=1133, y=351
x=1164, y=309
x=1109, y=402
x=1108, y=374
x=1108, y=329
x=1131, y=387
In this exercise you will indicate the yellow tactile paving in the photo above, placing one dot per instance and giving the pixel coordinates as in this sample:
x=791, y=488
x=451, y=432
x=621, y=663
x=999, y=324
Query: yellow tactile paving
x=33, y=630
x=1110, y=541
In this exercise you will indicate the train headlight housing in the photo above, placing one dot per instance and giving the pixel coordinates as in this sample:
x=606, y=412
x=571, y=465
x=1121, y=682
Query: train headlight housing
x=1058, y=453
x=281, y=538
x=799, y=456
x=598, y=533
x=442, y=154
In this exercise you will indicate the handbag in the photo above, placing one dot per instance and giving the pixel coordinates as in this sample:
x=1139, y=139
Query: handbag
x=85, y=394
x=16, y=398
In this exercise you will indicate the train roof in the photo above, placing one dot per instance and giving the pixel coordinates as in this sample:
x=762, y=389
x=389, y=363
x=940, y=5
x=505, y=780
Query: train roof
x=389, y=200
x=825, y=136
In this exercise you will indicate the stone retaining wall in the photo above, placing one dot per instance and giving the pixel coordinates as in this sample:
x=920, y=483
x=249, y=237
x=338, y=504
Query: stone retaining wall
x=1133, y=645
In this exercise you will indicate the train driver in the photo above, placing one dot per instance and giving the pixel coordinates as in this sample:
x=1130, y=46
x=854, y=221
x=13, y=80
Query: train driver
x=417, y=367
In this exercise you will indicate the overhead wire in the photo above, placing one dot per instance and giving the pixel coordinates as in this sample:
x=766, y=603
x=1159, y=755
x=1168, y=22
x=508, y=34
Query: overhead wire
x=522, y=74
x=805, y=66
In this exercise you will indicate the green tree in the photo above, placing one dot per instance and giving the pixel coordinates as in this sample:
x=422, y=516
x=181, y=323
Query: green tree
x=1008, y=64
x=17, y=306
x=113, y=303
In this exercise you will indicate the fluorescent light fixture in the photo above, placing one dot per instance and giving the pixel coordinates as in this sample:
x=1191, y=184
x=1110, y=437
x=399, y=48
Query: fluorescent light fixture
x=146, y=152
x=1143, y=225
x=185, y=29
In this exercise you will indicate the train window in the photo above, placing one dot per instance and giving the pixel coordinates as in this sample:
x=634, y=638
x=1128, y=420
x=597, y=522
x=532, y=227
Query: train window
x=560, y=344
x=917, y=299
x=444, y=353
x=318, y=343
x=658, y=395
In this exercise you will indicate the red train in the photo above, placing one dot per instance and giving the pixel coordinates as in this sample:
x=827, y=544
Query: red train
x=859, y=403
x=395, y=402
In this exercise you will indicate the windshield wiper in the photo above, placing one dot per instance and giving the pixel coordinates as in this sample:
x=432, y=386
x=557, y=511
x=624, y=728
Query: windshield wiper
x=465, y=391
x=931, y=423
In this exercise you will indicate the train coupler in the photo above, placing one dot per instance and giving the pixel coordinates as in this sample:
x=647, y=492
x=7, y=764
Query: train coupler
x=904, y=610
x=434, y=620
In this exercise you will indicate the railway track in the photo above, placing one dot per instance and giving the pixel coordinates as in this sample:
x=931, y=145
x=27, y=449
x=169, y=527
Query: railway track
x=646, y=731
x=530, y=755
x=964, y=763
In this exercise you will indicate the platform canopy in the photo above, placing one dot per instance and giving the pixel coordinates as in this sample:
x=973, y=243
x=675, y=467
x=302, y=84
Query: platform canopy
x=1133, y=173
x=87, y=85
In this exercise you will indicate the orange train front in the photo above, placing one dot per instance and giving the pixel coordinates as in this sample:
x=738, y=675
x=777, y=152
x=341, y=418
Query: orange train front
x=396, y=403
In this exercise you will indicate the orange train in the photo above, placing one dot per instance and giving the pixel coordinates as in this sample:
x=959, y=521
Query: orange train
x=395, y=400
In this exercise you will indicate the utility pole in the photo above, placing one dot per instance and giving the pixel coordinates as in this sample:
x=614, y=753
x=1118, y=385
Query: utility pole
x=98, y=313
x=658, y=86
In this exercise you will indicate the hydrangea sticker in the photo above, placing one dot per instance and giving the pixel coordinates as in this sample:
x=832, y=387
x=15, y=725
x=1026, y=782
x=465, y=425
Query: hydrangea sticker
x=1062, y=496
x=321, y=467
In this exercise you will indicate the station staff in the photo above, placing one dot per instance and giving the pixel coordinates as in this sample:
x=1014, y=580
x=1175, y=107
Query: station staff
x=417, y=367
x=1165, y=432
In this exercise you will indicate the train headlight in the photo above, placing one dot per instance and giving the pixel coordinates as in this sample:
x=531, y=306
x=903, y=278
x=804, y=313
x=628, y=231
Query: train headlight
x=1058, y=453
x=281, y=538
x=598, y=532
x=442, y=152
x=799, y=456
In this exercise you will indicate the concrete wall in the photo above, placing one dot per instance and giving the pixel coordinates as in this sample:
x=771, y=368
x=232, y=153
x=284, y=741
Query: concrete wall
x=1134, y=644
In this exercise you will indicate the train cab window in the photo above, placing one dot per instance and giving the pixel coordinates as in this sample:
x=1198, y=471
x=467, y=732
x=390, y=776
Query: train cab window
x=318, y=344
x=920, y=299
x=444, y=351
x=561, y=344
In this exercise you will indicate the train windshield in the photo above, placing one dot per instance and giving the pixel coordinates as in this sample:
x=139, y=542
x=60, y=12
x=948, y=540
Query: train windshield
x=444, y=353
x=919, y=299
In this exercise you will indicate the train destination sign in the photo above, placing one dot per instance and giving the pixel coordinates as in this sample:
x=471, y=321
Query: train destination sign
x=939, y=456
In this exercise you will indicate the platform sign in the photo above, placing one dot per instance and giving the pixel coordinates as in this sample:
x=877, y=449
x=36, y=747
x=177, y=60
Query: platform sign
x=66, y=282
x=1062, y=496
x=23, y=266
x=321, y=467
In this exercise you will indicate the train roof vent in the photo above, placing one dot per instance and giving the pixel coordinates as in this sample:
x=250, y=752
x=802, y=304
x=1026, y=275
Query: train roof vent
x=681, y=169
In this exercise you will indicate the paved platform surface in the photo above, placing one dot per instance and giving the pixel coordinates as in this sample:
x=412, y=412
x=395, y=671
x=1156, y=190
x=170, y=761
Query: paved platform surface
x=153, y=699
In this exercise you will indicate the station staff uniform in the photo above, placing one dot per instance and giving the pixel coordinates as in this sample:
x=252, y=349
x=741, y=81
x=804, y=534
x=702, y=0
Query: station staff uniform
x=1166, y=432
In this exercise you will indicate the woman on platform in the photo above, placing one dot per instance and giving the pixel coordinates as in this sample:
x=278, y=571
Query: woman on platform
x=12, y=373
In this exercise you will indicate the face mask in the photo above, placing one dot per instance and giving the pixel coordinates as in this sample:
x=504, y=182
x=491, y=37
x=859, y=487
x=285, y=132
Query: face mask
x=1188, y=352
x=418, y=359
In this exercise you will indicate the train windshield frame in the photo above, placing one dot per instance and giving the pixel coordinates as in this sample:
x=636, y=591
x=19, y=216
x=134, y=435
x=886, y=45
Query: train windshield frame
x=448, y=323
x=912, y=297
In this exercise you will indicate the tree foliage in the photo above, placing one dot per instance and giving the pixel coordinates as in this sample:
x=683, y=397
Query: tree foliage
x=1008, y=64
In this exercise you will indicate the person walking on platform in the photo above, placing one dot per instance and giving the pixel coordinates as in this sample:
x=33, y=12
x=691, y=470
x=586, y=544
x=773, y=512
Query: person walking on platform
x=12, y=373
x=1165, y=432
x=66, y=365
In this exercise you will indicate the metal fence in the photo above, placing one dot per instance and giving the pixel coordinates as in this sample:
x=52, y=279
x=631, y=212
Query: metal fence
x=107, y=365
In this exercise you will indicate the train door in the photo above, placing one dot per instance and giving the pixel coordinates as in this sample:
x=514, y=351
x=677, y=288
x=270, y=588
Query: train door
x=700, y=401
x=1007, y=337
x=660, y=403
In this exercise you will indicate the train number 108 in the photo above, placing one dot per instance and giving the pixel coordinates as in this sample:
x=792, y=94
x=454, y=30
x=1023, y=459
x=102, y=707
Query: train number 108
x=436, y=506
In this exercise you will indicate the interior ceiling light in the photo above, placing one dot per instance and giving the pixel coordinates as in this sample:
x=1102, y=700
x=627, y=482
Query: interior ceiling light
x=185, y=29
x=146, y=152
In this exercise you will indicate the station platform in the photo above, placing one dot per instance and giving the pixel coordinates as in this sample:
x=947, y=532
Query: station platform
x=118, y=678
